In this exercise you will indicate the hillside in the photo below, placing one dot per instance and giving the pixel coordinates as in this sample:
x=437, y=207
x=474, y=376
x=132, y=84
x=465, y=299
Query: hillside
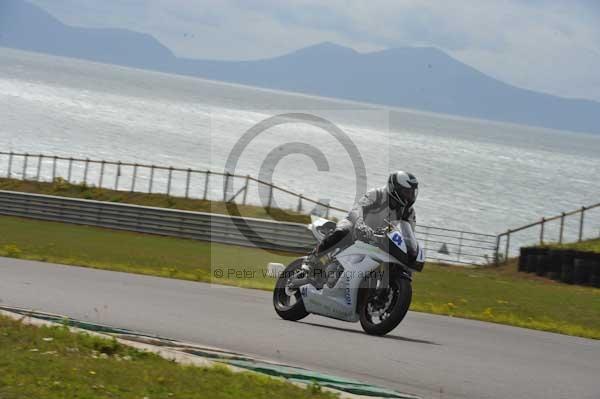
x=412, y=77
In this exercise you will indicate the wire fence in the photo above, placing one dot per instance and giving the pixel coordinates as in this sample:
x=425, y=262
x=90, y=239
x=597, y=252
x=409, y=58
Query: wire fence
x=441, y=244
x=158, y=179
x=458, y=246
x=577, y=225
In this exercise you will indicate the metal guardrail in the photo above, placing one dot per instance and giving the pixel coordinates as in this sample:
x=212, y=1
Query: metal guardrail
x=441, y=244
x=292, y=237
x=267, y=234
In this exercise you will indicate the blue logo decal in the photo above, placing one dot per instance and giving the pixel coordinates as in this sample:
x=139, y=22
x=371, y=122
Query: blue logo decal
x=347, y=294
x=397, y=238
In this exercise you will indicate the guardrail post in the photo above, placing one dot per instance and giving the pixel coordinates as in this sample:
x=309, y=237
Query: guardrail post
x=39, y=167
x=542, y=231
x=85, y=171
x=581, y=224
x=299, y=209
x=54, y=167
x=25, y=166
x=562, y=226
x=151, y=179
x=135, y=167
x=70, y=169
x=507, y=245
x=9, y=172
x=270, y=195
x=100, y=180
x=169, y=181
x=459, y=246
x=497, y=252
x=204, y=196
x=246, y=189
x=226, y=177
x=118, y=175
x=187, y=183
x=327, y=209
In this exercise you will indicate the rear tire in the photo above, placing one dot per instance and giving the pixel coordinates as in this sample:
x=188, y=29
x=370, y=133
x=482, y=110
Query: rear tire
x=282, y=301
x=402, y=297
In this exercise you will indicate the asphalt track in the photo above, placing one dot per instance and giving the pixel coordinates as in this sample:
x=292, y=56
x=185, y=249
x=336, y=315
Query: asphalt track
x=427, y=355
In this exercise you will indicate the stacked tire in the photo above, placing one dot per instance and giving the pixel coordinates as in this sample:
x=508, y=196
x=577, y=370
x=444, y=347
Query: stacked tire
x=587, y=269
x=532, y=260
x=595, y=272
x=543, y=258
x=524, y=258
x=568, y=266
x=554, y=264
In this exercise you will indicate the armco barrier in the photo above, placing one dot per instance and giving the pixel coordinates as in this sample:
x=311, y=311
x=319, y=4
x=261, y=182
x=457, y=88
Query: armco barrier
x=266, y=234
x=460, y=247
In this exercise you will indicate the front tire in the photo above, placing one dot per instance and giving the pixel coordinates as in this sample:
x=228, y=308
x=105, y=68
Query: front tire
x=289, y=307
x=381, y=312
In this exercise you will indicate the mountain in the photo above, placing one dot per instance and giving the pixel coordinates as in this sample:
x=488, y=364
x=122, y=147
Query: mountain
x=421, y=78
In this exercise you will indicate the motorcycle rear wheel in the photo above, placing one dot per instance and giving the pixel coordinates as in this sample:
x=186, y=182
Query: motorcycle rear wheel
x=282, y=301
x=399, y=295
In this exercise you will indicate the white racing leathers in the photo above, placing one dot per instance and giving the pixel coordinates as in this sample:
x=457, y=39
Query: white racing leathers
x=371, y=212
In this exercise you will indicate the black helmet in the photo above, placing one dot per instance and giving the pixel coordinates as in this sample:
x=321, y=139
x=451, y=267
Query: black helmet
x=403, y=189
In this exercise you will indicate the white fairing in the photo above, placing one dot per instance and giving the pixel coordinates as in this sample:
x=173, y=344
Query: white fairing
x=340, y=301
x=320, y=227
x=358, y=261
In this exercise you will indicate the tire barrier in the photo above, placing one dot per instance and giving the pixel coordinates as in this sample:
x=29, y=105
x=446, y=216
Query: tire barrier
x=533, y=259
x=567, y=265
x=581, y=270
x=567, y=262
x=523, y=257
x=595, y=274
x=542, y=262
x=554, y=262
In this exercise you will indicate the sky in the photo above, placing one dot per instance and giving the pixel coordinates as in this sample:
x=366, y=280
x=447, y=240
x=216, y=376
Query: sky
x=552, y=46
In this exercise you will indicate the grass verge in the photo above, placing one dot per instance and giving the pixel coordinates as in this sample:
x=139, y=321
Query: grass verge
x=62, y=188
x=499, y=295
x=587, y=246
x=52, y=363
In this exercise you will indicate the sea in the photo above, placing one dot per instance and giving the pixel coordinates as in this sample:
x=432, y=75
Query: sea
x=474, y=175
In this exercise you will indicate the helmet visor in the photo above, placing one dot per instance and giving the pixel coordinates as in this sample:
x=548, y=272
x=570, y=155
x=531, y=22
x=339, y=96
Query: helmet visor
x=408, y=195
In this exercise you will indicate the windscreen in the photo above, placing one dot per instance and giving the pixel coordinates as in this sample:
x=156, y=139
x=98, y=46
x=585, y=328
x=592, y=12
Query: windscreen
x=412, y=246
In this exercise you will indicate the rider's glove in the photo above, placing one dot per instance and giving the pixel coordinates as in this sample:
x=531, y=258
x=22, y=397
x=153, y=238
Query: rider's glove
x=364, y=233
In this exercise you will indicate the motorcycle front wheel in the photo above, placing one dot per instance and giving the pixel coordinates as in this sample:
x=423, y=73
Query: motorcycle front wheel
x=381, y=310
x=288, y=303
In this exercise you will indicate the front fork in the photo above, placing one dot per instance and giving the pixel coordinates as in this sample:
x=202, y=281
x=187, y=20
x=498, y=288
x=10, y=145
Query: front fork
x=377, y=285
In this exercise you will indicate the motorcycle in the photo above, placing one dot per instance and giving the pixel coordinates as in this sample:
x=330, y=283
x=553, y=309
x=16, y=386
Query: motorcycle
x=370, y=282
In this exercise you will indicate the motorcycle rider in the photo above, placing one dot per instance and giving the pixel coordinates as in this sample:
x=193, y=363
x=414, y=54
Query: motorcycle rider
x=392, y=202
